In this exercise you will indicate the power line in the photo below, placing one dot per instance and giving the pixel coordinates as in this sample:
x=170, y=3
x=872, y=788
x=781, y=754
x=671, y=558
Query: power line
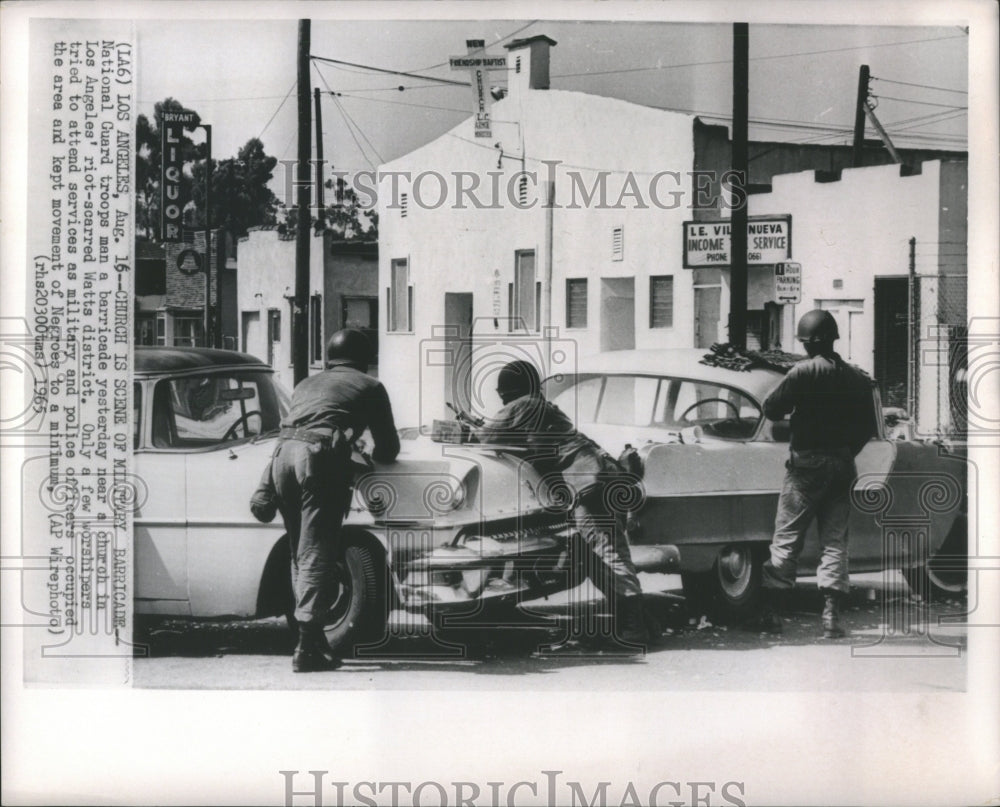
x=404, y=103
x=922, y=103
x=922, y=86
x=753, y=58
x=391, y=72
x=271, y=119
x=482, y=49
x=349, y=121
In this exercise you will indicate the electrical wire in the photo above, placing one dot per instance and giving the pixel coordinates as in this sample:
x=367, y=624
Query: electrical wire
x=922, y=103
x=271, y=119
x=483, y=49
x=390, y=72
x=351, y=124
x=753, y=58
x=922, y=86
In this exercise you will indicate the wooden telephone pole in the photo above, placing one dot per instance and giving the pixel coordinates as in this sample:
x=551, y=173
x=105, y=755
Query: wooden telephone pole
x=300, y=309
x=738, y=221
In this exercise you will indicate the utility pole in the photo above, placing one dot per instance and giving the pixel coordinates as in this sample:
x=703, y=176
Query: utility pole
x=738, y=221
x=320, y=212
x=300, y=307
x=859, y=116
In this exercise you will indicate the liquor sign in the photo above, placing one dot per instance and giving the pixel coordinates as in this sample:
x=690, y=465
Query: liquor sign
x=478, y=64
x=171, y=209
x=788, y=282
x=708, y=243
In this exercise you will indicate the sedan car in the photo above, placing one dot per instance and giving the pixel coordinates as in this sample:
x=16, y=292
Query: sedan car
x=713, y=465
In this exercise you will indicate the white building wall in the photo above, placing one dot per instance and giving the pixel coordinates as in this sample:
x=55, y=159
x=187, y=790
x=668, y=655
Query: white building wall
x=854, y=230
x=266, y=279
x=468, y=250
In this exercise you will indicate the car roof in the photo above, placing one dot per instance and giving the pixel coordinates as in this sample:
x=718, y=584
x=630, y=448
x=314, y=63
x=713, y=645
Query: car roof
x=682, y=363
x=155, y=360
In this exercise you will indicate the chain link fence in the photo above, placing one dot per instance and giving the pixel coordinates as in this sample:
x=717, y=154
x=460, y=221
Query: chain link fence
x=937, y=390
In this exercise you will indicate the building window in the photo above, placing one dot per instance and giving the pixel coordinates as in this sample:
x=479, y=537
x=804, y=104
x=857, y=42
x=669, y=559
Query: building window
x=517, y=65
x=526, y=291
x=362, y=313
x=576, y=303
x=404, y=199
x=522, y=191
x=316, y=328
x=161, y=329
x=617, y=243
x=188, y=332
x=400, y=296
x=661, y=301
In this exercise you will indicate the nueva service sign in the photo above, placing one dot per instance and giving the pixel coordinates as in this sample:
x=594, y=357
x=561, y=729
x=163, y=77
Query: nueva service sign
x=708, y=243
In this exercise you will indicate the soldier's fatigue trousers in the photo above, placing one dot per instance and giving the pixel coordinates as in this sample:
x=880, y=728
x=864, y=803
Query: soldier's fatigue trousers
x=312, y=480
x=817, y=486
x=609, y=563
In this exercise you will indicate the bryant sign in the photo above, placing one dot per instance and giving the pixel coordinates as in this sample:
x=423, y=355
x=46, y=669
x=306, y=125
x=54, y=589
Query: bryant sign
x=171, y=207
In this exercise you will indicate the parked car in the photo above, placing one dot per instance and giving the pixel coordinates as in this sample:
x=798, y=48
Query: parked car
x=469, y=534
x=713, y=465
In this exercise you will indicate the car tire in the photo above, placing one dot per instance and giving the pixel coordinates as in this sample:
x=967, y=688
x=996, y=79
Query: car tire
x=946, y=575
x=359, y=612
x=730, y=591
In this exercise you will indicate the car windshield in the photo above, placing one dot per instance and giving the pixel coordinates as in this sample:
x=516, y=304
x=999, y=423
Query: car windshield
x=657, y=402
x=210, y=409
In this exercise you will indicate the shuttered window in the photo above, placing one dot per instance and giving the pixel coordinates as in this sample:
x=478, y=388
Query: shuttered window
x=617, y=243
x=661, y=301
x=576, y=303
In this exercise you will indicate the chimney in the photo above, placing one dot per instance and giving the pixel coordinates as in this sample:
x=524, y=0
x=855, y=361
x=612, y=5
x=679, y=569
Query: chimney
x=528, y=64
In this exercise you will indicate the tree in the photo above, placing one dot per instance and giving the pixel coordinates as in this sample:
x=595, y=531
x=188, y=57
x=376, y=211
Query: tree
x=346, y=217
x=241, y=198
x=149, y=162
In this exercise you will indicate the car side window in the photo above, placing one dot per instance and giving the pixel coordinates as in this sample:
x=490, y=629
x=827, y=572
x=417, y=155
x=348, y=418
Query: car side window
x=721, y=411
x=628, y=400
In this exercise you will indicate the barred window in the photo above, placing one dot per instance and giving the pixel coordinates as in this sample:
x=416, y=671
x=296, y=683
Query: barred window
x=661, y=301
x=576, y=303
x=617, y=243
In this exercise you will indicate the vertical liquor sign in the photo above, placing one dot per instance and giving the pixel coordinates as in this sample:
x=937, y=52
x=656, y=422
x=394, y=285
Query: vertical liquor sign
x=171, y=208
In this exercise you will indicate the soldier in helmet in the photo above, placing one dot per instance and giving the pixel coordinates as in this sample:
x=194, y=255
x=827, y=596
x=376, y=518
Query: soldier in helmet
x=831, y=412
x=312, y=476
x=557, y=449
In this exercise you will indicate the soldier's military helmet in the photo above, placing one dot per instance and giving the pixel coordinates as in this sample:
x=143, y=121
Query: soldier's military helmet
x=817, y=326
x=517, y=378
x=349, y=344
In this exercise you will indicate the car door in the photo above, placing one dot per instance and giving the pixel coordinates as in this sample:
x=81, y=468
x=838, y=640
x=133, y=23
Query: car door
x=160, y=524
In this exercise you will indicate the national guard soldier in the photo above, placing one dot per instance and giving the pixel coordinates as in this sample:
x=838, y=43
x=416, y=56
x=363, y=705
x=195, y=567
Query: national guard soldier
x=311, y=469
x=557, y=449
x=831, y=421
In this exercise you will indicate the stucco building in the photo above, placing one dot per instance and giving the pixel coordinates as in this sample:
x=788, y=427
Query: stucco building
x=343, y=292
x=568, y=232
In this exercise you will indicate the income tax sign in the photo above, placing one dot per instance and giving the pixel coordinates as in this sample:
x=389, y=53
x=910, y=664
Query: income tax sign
x=708, y=243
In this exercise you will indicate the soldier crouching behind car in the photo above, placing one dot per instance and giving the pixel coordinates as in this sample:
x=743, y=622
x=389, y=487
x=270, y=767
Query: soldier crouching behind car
x=830, y=403
x=311, y=469
x=585, y=473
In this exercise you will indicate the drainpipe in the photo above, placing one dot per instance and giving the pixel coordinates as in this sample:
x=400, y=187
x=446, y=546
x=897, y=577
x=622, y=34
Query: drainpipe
x=550, y=200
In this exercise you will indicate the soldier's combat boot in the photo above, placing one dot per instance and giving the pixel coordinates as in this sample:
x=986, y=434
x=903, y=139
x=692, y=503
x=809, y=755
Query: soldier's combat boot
x=769, y=618
x=312, y=654
x=832, y=628
x=631, y=623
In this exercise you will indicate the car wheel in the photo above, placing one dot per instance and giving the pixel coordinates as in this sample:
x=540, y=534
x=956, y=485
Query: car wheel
x=358, y=613
x=946, y=575
x=731, y=590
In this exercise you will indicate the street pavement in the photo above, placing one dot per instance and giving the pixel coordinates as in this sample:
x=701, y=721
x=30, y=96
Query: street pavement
x=894, y=643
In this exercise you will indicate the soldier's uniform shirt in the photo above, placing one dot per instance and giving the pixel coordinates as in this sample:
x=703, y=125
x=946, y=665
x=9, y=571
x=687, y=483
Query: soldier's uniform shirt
x=312, y=471
x=832, y=417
